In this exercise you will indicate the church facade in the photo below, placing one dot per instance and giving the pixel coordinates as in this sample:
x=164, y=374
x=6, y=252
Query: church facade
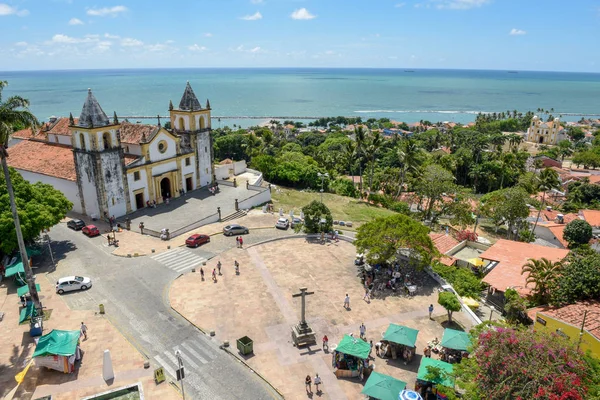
x=116, y=167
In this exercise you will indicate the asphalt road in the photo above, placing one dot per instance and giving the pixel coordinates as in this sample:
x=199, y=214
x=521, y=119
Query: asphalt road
x=134, y=293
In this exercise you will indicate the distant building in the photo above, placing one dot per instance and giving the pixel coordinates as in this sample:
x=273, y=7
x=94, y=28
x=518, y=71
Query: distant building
x=548, y=162
x=544, y=132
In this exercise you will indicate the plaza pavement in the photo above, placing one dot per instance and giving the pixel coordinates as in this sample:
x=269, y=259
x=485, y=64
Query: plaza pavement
x=258, y=303
x=18, y=347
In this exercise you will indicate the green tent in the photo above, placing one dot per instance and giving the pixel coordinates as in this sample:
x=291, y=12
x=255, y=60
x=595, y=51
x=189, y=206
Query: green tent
x=444, y=366
x=401, y=335
x=26, y=313
x=14, y=269
x=383, y=387
x=354, y=347
x=33, y=251
x=23, y=290
x=57, y=343
x=457, y=340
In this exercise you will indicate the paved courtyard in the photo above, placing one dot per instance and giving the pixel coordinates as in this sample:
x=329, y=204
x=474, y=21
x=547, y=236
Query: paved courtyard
x=189, y=208
x=258, y=303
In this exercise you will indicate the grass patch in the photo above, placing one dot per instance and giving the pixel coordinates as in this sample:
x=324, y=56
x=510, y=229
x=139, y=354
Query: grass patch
x=342, y=208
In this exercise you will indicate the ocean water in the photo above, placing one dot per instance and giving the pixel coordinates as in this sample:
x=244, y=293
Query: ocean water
x=302, y=93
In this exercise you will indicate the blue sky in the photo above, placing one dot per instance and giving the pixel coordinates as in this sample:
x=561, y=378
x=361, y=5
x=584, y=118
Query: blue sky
x=545, y=35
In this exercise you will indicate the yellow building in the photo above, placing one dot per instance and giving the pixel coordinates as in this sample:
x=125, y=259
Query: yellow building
x=544, y=132
x=567, y=321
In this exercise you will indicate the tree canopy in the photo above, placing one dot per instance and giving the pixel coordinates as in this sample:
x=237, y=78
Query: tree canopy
x=450, y=302
x=577, y=232
x=313, y=214
x=40, y=206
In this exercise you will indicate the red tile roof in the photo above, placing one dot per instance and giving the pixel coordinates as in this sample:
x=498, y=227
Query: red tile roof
x=594, y=178
x=443, y=242
x=558, y=232
x=129, y=158
x=573, y=314
x=59, y=127
x=591, y=216
x=511, y=257
x=23, y=134
x=43, y=158
x=134, y=133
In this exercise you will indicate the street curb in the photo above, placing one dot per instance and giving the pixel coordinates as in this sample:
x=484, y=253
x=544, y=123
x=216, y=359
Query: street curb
x=300, y=236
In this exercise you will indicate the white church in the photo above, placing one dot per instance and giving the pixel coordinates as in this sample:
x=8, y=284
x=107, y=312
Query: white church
x=111, y=168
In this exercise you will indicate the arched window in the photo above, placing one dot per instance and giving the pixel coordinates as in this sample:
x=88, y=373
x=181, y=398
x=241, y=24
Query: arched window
x=82, y=141
x=181, y=124
x=106, y=140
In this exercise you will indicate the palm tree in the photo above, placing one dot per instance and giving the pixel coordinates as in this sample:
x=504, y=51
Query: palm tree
x=547, y=180
x=374, y=145
x=541, y=273
x=360, y=135
x=408, y=155
x=14, y=113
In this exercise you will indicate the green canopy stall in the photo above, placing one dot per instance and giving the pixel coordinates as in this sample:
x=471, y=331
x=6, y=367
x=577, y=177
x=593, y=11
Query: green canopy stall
x=424, y=382
x=456, y=340
x=23, y=290
x=58, y=350
x=27, y=313
x=383, y=387
x=14, y=269
x=351, y=357
x=399, y=339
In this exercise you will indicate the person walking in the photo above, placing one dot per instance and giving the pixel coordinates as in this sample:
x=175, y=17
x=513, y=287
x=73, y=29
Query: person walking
x=367, y=296
x=363, y=330
x=347, y=302
x=214, y=275
x=83, y=330
x=430, y=310
x=237, y=267
x=325, y=343
x=308, y=383
x=317, y=383
x=241, y=242
x=219, y=266
x=237, y=242
x=202, y=273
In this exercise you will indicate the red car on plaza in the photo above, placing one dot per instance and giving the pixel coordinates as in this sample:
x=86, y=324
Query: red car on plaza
x=90, y=230
x=196, y=240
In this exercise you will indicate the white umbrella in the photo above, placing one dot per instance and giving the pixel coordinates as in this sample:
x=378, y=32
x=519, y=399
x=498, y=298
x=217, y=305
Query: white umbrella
x=409, y=395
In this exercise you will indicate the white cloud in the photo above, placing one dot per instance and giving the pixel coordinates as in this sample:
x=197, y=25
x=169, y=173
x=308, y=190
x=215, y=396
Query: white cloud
x=75, y=21
x=60, y=38
x=257, y=1
x=208, y=34
x=106, y=11
x=5, y=9
x=255, y=49
x=109, y=36
x=302, y=13
x=515, y=31
x=460, y=4
x=131, y=42
x=21, y=44
x=242, y=49
x=253, y=17
x=195, y=47
x=400, y=5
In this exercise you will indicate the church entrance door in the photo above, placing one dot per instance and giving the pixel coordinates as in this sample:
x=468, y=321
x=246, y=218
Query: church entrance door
x=188, y=184
x=139, y=201
x=165, y=188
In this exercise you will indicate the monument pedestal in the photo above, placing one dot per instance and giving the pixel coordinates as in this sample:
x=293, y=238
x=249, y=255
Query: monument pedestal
x=303, y=335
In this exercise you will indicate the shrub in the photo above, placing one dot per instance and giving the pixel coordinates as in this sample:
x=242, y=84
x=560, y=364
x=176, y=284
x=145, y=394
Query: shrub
x=344, y=187
x=578, y=232
x=462, y=279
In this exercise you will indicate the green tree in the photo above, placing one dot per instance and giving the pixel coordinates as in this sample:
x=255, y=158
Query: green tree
x=382, y=238
x=514, y=306
x=432, y=184
x=577, y=232
x=410, y=158
x=314, y=215
x=547, y=180
x=579, y=279
x=575, y=133
x=361, y=144
x=542, y=274
x=565, y=149
x=373, y=144
x=13, y=113
x=506, y=205
x=450, y=302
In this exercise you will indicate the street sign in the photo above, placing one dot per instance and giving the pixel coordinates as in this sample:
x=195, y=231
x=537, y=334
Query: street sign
x=180, y=374
x=159, y=375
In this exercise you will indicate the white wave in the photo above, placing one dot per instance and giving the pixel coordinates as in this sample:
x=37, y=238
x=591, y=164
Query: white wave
x=423, y=111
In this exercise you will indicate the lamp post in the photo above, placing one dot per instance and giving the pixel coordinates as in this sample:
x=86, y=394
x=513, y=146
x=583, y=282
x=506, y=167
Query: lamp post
x=322, y=176
x=180, y=371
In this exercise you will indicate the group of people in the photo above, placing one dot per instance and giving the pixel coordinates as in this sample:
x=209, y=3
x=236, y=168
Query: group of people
x=217, y=270
x=308, y=382
x=151, y=204
x=214, y=189
x=240, y=242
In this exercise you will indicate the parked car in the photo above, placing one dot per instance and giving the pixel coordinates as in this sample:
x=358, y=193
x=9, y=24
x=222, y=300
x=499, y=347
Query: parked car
x=76, y=224
x=196, y=240
x=235, y=229
x=296, y=222
x=70, y=283
x=282, y=223
x=90, y=230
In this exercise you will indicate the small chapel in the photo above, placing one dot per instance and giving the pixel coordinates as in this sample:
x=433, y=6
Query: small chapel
x=110, y=168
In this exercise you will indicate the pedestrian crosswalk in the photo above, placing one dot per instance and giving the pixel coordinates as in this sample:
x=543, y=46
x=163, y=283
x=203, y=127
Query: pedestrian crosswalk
x=194, y=353
x=179, y=259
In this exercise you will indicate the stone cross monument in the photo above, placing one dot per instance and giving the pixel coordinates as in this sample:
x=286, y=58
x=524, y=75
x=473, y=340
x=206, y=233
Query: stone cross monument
x=302, y=334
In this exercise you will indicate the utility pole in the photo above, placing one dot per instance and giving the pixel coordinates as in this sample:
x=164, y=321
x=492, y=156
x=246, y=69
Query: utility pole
x=47, y=237
x=322, y=176
x=582, y=329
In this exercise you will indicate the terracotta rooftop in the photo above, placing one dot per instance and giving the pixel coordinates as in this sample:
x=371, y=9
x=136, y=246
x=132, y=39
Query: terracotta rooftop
x=591, y=216
x=43, y=158
x=129, y=158
x=573, y=315
x=511, y=257
x=443, y=242
x=558, y=231
x=594, y=179
x=59, y=127
x=136, y=133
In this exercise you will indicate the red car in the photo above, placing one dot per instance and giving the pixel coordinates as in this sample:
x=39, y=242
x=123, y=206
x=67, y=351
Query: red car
x=196, y=240
x=90, y=230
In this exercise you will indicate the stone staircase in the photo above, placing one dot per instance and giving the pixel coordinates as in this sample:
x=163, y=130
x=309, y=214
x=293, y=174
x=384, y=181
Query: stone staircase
x=235, y=215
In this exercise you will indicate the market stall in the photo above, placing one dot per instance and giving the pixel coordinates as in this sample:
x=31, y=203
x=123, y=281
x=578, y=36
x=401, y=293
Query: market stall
x=16, y=270
x=454, y=345
x=351, y=358
x=383, y=387
x=58, y=350
x=399, y=340
x=427, y=385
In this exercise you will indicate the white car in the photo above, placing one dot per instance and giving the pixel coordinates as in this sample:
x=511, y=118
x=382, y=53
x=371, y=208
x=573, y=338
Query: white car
x=282, y=223
x=70, y=283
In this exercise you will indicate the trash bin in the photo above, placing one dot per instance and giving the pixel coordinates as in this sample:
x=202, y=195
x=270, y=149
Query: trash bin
x=245, y=345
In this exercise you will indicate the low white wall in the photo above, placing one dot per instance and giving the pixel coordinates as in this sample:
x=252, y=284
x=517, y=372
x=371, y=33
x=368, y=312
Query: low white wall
x=68, y=188
x=222, y=172
x=259, y=177
x=257, y=199
x=239, y=167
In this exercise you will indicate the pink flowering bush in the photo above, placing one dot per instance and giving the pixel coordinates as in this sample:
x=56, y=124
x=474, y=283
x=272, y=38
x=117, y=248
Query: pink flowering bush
x=515, y=364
